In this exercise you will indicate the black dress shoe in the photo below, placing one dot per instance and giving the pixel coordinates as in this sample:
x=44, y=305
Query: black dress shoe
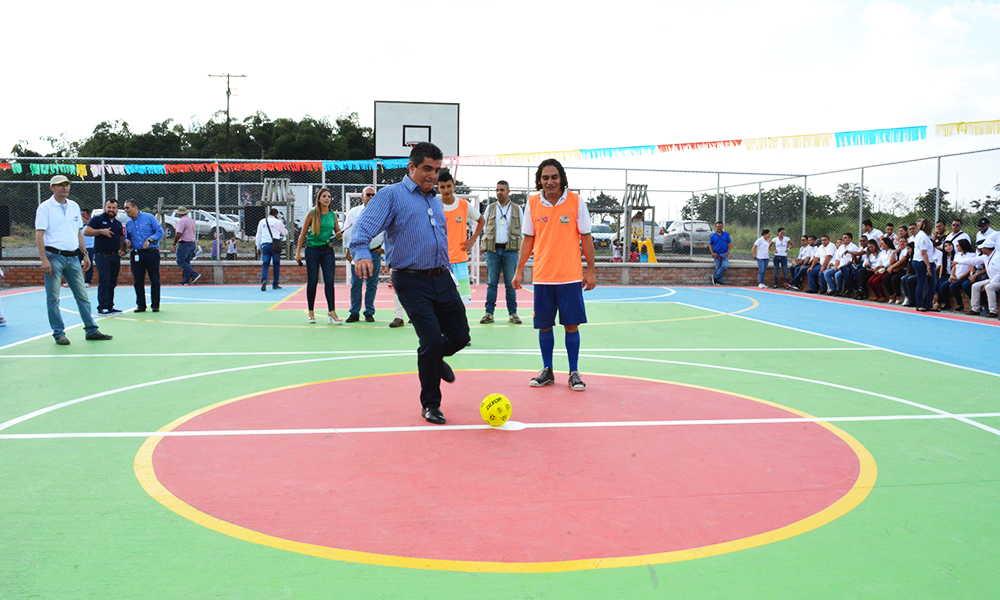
x=434, y=415
x=369, y=318
x=353, y=318
x=156, y=309
x=143, y=309
x=447, y=375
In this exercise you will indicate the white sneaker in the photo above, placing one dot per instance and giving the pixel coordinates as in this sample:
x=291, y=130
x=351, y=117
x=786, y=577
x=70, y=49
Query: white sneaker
x=761, y=285
x=906, y=301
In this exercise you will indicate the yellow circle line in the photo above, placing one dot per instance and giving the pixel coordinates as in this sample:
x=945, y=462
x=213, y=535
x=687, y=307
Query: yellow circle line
x=868, y=473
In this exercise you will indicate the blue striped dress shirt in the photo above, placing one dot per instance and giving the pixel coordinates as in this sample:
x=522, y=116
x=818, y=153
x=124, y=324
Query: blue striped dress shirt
x=415, y=233
x=144, y=226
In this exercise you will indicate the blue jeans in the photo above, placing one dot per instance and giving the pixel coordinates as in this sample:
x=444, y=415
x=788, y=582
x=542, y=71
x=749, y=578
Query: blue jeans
x=317, y=259
x=816, y=281
x=780, y=262
x=761, y=268
x=266, y=258
x=501, y=261
x=845, y=278
x=70, y=268
x=371, y=286
x=830, y=277
x=88, y=277
x=721, y=264
x=923, y=291
x=185, y=252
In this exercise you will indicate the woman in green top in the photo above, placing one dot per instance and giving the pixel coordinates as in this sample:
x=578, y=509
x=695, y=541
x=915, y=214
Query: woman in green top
x=320, y=226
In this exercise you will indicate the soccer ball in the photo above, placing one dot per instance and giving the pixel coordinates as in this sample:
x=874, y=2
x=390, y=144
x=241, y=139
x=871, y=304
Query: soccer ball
x=495, y=409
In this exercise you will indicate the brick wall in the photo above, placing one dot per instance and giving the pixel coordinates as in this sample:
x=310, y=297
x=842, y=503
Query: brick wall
x=29, y=273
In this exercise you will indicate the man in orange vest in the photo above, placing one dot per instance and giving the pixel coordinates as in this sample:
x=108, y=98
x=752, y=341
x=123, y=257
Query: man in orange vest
x=458, y=213
x=556, y=223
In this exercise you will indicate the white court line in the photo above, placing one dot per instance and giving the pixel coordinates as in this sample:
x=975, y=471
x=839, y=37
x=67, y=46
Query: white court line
x=516, y=426
x=804, y=380
x=137, y=386
x=392, y=352
x=670, y=292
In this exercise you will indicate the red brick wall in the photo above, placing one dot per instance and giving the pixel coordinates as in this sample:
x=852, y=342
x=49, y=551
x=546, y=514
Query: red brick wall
x=28, y=273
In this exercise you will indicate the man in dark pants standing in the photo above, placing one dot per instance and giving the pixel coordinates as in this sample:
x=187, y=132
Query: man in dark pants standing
x=143, y=234
x=109, y=248
x=416, y=243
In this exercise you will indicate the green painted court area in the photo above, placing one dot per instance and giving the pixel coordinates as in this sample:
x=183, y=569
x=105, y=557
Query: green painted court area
x=77, y=522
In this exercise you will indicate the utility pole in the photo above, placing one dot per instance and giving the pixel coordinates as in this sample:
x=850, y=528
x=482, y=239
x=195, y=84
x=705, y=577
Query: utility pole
x=228, y=94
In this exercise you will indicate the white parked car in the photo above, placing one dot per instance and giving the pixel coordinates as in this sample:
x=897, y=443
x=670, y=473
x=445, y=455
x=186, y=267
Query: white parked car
x=204, y=223
x=601, y=234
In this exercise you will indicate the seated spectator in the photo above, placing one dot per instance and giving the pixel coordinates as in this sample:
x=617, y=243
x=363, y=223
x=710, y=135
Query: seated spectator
x=801, y=265
x=833, y=266
x=990, y=284
x=845, y=275
x=963, y=264
x=957, y=233
x=869, y=262
x=896, y=271
x=880, y=268
x=823, y=254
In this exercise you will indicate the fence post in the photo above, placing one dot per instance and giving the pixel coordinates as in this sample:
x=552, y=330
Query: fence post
x=216, y=232
x=805, y=191
x=104, y=183
x=718, y=184
x=758, y=207
x=937, y=201
x=724, y=193
x=861, y=203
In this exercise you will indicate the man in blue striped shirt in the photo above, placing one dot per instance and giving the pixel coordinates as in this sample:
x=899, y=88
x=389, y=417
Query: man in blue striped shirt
x=142, y=235
x=416, y=245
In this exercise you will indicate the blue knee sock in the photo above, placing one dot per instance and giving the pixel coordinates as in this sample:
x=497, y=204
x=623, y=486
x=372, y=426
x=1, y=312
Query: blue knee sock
x=547, y=341
x=573, y=349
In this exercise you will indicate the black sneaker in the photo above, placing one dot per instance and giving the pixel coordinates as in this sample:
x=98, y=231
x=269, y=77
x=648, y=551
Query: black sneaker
x=575, y=383
x=98, y=336
x=353, y=318
x=263, y=287
x=544, y=378
x=62, y=340
x=369, y=318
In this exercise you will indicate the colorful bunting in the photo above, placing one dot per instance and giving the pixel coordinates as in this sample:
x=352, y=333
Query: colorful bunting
x=698, y=145
x=973, y=128
x=842, y=139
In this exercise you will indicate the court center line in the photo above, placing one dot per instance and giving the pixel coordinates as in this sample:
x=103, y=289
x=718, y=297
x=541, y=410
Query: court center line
x=518, y=426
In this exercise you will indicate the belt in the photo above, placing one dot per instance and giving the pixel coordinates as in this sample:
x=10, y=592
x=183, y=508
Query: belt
x=106, y=252
x=150, y=249
x=423, y=272
x=62, y=252
x=501, y=246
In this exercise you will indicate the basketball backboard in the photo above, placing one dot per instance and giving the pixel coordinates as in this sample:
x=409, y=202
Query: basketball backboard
x=399, y=124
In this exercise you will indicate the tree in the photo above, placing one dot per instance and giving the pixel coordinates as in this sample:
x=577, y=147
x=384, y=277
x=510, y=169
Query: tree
x=924, y=205
x=604, y=204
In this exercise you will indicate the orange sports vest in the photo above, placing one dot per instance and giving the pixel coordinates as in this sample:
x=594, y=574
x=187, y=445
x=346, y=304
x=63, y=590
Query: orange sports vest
x=458, y=231
x=557, y=241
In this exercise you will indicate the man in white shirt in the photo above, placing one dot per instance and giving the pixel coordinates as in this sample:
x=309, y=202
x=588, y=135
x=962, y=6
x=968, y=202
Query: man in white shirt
x=59, y=237
x=801, y=265
x=371, y=282
x=985, y=231
x=956, y=233
x=822, y=256
x=782, y=244
x=870, y=232
x=269, y=230
x=502, y=242
x=990, y=285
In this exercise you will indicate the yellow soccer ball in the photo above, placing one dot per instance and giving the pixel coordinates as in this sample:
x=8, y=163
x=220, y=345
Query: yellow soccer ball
x=495, y=409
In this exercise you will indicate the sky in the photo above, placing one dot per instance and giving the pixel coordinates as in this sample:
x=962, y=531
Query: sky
x=529, y=76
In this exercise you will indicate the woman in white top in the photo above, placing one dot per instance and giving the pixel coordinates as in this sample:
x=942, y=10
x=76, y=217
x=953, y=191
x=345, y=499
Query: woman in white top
x=868, y=263
x=961, y=267
x=782, y=245
x=897, y=270
x=923, y=267
x=880, y=268
x=761, y=247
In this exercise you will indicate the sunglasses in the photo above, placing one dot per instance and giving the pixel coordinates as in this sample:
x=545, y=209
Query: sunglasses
x=369, y=195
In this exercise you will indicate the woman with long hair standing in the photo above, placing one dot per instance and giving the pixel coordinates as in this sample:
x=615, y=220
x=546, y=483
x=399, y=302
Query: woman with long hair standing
x=321, y=225
x=923, y=266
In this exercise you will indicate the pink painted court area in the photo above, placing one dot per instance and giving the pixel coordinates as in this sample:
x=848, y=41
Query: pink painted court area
x=552, y=493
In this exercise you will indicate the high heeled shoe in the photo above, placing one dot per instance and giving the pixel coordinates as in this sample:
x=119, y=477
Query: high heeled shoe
x=312, y=320
x=331, y=321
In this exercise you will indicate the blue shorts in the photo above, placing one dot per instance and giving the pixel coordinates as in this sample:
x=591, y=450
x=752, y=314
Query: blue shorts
x=566, y=298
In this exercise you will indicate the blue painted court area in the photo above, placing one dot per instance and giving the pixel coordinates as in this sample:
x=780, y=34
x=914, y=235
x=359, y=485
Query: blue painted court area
x=27, y=317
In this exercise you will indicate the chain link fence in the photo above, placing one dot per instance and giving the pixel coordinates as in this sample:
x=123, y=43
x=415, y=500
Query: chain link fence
x=684, y=205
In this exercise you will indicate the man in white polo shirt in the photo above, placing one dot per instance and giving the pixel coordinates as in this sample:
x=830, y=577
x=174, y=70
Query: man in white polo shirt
x=59, y=236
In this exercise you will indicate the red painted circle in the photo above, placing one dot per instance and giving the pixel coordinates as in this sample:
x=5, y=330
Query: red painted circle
x=535, y=495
